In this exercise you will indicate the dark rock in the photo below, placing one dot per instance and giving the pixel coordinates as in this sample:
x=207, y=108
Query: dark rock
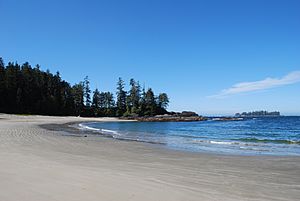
x=188, y=114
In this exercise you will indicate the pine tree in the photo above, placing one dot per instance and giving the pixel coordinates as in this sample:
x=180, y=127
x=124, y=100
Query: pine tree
x=87, y=92
x=109, y=104
x=133, y=98
x=2, y=65
x=78, y=94
x=96, y=102
x=142, y=103
x=163, y=100
x=102, y=100
x=150, y=103
x=121, y=98
x=11, y=81
x=2, y=84
x=162, y=103
x=24, y=89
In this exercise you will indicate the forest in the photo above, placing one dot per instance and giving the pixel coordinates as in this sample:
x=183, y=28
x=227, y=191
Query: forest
x=29, y=90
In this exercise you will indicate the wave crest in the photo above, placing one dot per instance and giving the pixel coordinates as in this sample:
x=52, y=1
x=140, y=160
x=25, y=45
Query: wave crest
x=256, y=140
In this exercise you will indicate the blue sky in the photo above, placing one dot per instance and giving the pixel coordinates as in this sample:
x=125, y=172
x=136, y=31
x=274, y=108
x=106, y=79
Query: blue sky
x=199, y=52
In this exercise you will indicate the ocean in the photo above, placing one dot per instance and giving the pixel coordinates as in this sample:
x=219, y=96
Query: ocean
x=251, y=136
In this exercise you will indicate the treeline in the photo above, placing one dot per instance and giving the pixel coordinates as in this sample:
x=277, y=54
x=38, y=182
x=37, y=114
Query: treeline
x=29, y=90
x=258, y=113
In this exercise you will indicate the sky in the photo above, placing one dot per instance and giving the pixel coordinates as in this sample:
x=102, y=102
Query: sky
x=215, y=57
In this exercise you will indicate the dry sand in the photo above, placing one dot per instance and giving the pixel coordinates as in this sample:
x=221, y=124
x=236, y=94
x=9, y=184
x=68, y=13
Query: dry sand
x=42, y=165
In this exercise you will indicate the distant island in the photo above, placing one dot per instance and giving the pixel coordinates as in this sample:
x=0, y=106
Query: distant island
x=258, y=114
x=184, y=116
x=25, y=89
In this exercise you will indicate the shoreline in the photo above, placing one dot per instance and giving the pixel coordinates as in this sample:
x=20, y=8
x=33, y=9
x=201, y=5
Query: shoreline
x=86, y=131
x=45, y=165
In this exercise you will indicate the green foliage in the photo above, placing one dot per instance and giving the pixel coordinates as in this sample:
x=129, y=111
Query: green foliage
x=133, y=98
x=150, y=103
x=78, y=95
x=121, y=98
x=2, y=65
x=28, y=90
x=163, y=100
x=96, y=102
x=2, y=82
x=87, y=91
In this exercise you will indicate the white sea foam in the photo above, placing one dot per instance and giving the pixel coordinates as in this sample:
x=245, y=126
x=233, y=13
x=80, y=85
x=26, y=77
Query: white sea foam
x=110, y=131
x=220, y=142
x=88, y=127
x=232, y=137
x=216, y=142
x=106, y=131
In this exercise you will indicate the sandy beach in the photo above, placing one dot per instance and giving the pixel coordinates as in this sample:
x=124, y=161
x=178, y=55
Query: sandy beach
x=39, y=164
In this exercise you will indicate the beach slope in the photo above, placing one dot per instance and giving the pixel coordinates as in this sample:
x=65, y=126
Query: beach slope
x=39, y=164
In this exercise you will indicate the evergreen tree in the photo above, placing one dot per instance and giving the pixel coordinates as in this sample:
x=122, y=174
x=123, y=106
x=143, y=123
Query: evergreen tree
x=78, y=94
x=68, y=107
x=12, y=83
x=109, y=104
x=121, y=98
x=150, y=103
x=2, y=65
x=24, y=89
x=142, y=102
x=163, y=100
x=96, y=102
x=2, y=84
x=87, y=91
x=137, y=98
x=162, y=103
x=133, y=98
x=102, y=100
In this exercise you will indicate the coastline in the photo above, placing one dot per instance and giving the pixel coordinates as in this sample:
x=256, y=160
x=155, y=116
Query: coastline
x=196, y=140
x=44, y=164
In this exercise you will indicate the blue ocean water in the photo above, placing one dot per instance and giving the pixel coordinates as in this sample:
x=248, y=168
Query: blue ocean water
x=258, y=136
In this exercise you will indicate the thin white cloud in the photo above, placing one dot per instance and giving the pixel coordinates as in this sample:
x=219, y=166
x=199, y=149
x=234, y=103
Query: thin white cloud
x=267, y=83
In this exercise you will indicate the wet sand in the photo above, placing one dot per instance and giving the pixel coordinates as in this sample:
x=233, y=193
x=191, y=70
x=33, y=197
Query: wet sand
x=47, y=163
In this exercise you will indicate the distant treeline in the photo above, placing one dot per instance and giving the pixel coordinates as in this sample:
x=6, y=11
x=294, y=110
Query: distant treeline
x=258, y=113
x=29, y=90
